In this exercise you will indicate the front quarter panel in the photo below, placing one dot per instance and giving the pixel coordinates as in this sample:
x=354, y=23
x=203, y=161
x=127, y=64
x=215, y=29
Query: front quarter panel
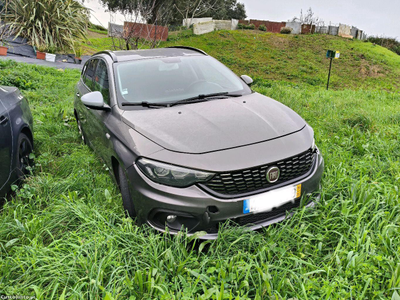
x=128, y=144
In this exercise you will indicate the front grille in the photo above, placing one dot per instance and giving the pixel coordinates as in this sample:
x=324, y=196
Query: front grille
x=249, y=180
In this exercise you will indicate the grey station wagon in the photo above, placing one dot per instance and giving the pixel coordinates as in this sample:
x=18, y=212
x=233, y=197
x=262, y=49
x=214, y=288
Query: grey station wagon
x=190, y=145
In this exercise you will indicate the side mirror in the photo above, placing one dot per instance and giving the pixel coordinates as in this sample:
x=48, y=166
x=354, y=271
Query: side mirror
x=94, y=100
x=247, y=79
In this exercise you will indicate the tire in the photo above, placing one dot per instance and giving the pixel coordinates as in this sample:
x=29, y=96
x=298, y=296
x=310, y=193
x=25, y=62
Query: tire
x=23, y=153
x=80, y=130
x=126, y=194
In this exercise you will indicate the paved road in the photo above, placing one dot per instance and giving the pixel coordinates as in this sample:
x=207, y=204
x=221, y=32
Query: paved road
x=34, y=61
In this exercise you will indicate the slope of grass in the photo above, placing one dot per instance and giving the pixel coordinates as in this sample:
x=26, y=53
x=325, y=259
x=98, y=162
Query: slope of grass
x=64, y=234
x=301, y=58
x=98, y=41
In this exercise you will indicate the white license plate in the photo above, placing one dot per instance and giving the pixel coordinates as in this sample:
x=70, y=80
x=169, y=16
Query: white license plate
x=269, y=200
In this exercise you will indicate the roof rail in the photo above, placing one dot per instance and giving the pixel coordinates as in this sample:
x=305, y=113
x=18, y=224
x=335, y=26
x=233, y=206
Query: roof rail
x=189, y=48
x=109, y=53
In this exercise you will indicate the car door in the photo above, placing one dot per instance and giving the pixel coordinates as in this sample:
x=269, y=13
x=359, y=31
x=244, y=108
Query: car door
x=97, y=119
x=84, y=86
x=6, y=151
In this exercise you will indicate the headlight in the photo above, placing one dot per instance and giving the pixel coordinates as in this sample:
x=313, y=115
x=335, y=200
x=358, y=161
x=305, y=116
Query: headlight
x=171, y=175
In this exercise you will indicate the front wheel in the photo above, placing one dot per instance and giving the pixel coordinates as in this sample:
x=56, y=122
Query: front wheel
x=125, y=193
x=24, y=155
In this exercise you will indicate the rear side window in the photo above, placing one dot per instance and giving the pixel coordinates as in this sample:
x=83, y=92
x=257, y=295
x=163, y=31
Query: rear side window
x=101, y=81
x=89, y=73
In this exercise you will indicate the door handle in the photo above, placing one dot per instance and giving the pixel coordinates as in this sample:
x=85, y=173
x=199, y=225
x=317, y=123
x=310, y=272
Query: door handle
x=3, y=120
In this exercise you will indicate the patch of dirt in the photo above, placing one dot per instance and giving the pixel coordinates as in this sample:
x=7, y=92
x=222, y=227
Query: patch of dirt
x=95, y=35
x=88, y=51
x=370, y=70
x=279, y=42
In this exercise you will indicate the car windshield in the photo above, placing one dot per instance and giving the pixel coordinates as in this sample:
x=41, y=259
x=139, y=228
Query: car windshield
x=167, y=80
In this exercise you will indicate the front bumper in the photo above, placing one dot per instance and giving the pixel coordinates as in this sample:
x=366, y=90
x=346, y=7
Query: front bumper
x=197, y=210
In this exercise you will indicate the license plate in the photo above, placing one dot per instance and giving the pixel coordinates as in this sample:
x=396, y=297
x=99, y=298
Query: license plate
x=268, y=201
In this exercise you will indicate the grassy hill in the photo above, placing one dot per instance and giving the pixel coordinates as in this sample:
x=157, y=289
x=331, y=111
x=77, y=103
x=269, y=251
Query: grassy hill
x=299, y=59
x=63, y=235
x=302, y=58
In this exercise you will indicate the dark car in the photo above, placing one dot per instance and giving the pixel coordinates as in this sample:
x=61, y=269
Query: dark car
x=16, y=137
x=190, y=144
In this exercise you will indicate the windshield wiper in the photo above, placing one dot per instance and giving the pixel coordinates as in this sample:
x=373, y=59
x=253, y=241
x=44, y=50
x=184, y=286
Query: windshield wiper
x=195, y=99
x=144, y=104
x=203, y=97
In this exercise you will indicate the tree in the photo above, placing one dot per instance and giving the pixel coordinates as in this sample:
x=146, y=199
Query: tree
x=217, y=9
x=189, y=9
x=153, y=11
x=230, y=9
x=174, y=11
x=308, y=18
x=135, y=33
x=238, y=12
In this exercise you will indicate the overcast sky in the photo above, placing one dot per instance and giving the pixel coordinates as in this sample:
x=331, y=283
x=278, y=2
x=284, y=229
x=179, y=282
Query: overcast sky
x=375, y=17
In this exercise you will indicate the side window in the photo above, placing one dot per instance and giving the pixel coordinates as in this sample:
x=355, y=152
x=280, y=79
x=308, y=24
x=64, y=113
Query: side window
x=89, y=73
x=101, y=81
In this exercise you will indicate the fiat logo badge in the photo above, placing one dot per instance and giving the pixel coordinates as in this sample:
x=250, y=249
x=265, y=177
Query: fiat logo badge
x=273, y=174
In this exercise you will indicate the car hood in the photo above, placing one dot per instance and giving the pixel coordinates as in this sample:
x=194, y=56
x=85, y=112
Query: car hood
x=215, y=125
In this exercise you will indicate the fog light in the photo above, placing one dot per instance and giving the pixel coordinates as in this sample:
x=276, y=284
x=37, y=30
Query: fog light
x=171, y=218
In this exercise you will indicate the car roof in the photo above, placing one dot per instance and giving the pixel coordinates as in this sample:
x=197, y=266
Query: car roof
x=128, y=55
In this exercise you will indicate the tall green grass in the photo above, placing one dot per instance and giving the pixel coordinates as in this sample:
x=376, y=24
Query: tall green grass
x=64, y=234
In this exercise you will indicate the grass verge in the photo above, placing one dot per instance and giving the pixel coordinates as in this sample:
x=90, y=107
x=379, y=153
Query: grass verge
x=64, y=234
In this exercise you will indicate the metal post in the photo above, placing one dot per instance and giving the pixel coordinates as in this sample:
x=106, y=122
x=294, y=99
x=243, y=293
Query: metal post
x=329, y=76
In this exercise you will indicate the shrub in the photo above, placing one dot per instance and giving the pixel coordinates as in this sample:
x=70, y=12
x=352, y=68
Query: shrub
x=48, y=24
x=286, y=30
x=262, y=27
x=244, y=26
x=387, y=42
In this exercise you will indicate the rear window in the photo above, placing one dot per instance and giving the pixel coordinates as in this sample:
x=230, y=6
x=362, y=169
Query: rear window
x=89, y=73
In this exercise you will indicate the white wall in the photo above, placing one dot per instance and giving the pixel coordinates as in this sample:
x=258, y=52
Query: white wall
x=222, y=24
x=296, y=27
x=344, y=30
x=202, y=28
x=234, y=24
x=188, y=22
x=205, y=27
x=115, y=30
